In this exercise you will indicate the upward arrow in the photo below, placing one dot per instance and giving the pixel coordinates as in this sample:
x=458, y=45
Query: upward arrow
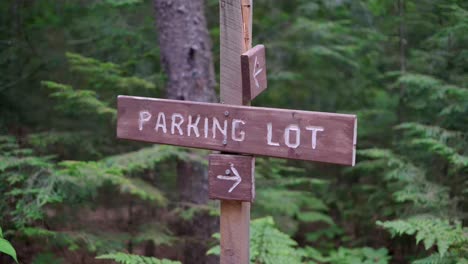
x=236, y=178
x=256, y=71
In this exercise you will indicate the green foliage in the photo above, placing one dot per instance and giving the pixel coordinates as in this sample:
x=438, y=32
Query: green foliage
x=134, y=259
x=156, y=233
x=81, y=174
x=27, y=181
x=285, y=195
x=364, y=255
x=105, y=75
x=6, y=247
x=438, y=259
x=118, y=3
x=431, y=232
x=47, y=258
x=268, y=245
x=66, y=183
x=75, y=103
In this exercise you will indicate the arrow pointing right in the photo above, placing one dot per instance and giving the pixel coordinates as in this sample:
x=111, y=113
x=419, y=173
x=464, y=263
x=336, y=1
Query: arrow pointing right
x=236, y=178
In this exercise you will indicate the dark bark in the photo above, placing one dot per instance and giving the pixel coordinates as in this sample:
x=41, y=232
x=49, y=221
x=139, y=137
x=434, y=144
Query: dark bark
x=186, y=50
x=187, y=60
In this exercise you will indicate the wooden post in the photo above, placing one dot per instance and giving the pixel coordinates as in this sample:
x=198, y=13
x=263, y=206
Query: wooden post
x=236, y=38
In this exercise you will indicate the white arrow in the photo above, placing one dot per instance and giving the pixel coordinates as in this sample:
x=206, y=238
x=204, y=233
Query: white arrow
x=236, y=178
x=256, y=72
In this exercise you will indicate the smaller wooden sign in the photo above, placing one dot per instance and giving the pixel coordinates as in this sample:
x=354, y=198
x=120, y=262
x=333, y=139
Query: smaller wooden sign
x=254, y=76
x=231, y=177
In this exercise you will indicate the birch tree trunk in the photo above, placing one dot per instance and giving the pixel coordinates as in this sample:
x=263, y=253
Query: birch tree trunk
x=187, y=60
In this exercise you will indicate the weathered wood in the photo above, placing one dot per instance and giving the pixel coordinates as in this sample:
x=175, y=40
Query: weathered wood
x=235, y=35
x=235, y=216
x=235, y=232
x=291, y=134
x=231, y=177
x=254, y=73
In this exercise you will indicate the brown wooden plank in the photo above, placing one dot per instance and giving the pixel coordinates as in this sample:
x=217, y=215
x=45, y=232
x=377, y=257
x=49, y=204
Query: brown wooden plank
x=232, y=46
x=231, y=177
x=235, y=216
x=254, y=72
x=291, y=134
x=235, y=232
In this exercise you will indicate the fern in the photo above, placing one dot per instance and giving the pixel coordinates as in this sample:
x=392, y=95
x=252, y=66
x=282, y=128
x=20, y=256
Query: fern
x=27, y=181
x=75, y=103
x=71, y=144
x=92, y=175
x=34, y=183
x=155, y=232
x=455, y=159
x=438, y=259
x=124, y=258
x=268, y=245
x=104, y=75
x=431, y=231
x=436, y=140
x=271, y=246
x=89, y=239
x=409, y=182
x=147, y=158
x=286, y=195
x=343, y=255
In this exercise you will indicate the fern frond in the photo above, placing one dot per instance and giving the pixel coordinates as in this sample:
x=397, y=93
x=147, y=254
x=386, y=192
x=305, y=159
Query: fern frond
x=418, y=81
x=271, y=246
x=268, y=245
x=413, y=129
x=288, y=202
x=143, y=159
x=436, y=259
x=105, y=75
x=124, y=258
x=457, y=160
x=431, y=231
x=157, y=233
x=92, y=175
x=354, y=255
x=78, y=102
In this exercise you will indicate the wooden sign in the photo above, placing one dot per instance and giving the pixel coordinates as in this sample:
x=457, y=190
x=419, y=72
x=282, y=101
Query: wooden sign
x=292, y=134
x=231, y=177
x=254, y=76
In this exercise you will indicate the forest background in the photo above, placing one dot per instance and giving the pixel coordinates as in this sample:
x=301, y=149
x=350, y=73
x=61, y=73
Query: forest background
x=70, y=191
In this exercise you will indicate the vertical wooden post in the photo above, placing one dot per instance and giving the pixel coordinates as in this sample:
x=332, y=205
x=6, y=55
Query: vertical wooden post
x=236, y=38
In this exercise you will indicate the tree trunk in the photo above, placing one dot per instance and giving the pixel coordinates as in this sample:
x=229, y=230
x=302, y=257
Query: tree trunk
x=187, y=60
x=186, y=50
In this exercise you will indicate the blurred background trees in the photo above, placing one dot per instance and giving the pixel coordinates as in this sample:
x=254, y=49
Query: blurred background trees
x=70, y=191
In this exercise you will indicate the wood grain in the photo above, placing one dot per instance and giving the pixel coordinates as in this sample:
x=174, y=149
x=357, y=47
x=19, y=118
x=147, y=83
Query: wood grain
x=246, y=129
x=219, y=189
x=254, y=73
x=235, y=216
x=235, y=39
x=235, y=232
